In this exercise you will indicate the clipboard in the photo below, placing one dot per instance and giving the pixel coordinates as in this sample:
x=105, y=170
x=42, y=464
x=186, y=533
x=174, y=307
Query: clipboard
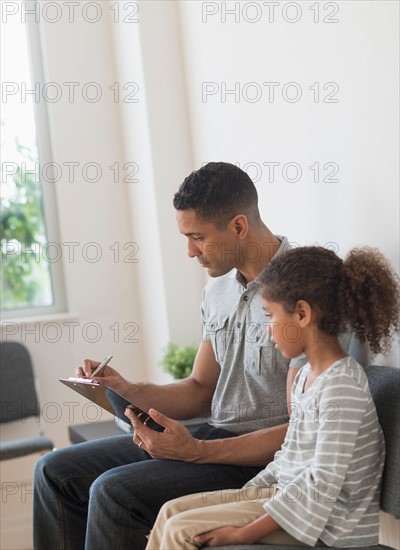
x=103, y=397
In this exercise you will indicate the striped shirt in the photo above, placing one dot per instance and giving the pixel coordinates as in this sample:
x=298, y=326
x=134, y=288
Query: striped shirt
x=329, y=468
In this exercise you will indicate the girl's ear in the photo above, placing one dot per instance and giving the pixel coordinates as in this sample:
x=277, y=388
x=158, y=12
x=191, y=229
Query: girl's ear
x=304, y=312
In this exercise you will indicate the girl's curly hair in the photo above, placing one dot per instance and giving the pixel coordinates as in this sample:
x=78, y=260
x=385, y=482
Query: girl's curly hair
x=361, y=292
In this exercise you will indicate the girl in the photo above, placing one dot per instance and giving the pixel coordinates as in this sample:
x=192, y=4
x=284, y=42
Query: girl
x=323, y=485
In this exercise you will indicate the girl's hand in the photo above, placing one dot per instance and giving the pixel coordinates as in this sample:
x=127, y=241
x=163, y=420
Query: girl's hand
x=220, y=537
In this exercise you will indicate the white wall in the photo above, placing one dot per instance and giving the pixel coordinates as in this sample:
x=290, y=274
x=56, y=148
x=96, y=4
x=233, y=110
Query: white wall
x=224, y=50
x=158, y=135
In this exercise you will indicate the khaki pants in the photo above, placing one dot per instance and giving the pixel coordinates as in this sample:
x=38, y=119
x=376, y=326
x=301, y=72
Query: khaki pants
x=179, y=520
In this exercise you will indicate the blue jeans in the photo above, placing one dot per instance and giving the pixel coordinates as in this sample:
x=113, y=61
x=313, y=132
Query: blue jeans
x=106, y=494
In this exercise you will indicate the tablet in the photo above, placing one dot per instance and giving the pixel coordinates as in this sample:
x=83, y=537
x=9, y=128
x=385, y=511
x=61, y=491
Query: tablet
x=103, y=397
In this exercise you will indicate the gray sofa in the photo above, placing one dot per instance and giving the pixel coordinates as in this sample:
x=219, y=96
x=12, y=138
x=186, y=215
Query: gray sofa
x=385, y=388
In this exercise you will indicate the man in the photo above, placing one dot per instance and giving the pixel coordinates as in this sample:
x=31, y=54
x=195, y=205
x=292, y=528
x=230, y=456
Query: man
x=106, y=493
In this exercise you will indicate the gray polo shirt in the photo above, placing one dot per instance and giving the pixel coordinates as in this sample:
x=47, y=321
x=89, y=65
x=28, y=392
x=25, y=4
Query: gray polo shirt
x=251, y=389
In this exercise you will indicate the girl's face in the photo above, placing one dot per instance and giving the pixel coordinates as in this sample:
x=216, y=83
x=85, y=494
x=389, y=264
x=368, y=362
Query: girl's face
x=285, y=329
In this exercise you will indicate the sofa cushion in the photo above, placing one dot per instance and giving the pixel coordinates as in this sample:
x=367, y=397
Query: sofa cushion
x=384, y=383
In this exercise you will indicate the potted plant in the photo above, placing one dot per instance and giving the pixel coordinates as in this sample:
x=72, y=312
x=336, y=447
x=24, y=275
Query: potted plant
x=178, y=361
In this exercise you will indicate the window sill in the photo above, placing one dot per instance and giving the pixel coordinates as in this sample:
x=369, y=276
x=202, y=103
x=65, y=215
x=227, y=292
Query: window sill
x=41, y=319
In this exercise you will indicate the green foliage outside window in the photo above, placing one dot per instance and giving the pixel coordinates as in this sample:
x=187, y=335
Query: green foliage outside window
x=25, y=269
x=25, y=276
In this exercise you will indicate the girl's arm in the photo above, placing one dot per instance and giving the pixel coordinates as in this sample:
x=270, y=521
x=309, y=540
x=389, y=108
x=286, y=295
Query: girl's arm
x=248, y=534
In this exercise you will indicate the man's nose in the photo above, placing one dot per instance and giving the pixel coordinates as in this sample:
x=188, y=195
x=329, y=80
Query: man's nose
x=193, y=249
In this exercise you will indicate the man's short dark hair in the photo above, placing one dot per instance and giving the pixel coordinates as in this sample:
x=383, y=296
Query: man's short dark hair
x=217, y=192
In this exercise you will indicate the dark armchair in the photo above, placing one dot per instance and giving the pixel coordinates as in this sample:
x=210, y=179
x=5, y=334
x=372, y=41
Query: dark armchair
x=19, y=400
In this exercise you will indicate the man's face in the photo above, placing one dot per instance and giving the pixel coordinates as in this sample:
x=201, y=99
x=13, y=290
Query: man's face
x=218, y=250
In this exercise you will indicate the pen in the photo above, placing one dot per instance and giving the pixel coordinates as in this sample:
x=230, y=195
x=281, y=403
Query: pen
x=101, y=366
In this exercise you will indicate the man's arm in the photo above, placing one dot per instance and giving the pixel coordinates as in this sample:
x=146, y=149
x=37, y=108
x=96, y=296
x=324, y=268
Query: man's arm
x=184, y=399
x=175, y=443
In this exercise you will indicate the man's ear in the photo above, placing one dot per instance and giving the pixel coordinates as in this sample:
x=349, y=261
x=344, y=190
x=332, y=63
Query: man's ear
x=305, y=313
x=240, y=225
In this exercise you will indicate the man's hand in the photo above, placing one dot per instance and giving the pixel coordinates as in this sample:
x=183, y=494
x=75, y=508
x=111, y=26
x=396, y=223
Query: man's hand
x=224, y=536
x=108, y=377
x=174, y=443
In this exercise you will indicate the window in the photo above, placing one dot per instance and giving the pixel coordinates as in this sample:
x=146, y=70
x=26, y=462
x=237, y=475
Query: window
x=31, y=276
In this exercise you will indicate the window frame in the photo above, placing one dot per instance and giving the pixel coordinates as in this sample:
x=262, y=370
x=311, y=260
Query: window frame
x=49, y=202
